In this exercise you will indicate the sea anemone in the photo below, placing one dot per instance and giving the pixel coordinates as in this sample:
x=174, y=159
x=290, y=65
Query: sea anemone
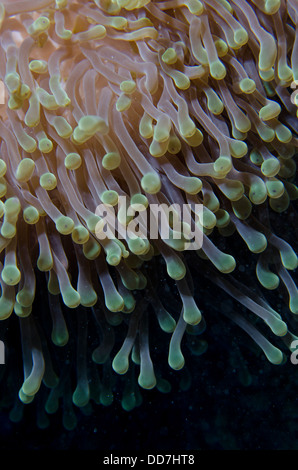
x=126, y=105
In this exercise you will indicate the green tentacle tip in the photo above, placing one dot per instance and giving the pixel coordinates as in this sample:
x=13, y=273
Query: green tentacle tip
x=48, y=181
x=145, y=126
x=53, y=283
x=114, y=256
x=169, y=56
x=270, y=111
x=289, y=258
x=91, y=249
x=25, y=170
x=52, y=404
x=255, y=157
x=176, y=359
x=147, y=379
x=91, y=124
x=6, y=307
x=192, y=315
x=167, y=322
x=222, y=218
x=106, y=398
x=181, y=80
x=151, y=183
x=25, y=398
x=225, y=263
x=241, y=36
x=40, y=25
x=31, y=386
x=88, y=297
x=8, y=230
x=247, y=85
x=38, y=66
x=270, y=167
x=64, y=225
x=207, y=219
x=71, y=297
x=293, y=303
x=195, y=6
x=11, y=275
x=31, y=215
x=25, y=297
x=12, y=207
x=45, y=145
x=128, y=86
x=217, y=70
x=137, y=245
x=272, y=6
x=258, y=193
x=80, y=235
x=129, y=401
x=110, y=197
x=63, y=128
x=176, y=269
x=129, y=303
x=81, y=396
x=163, y=386
x=120, y=363
x=275, y=188
x=214, y=103
x=22, y=311
x=111, y=160
x=268, y=279
x=222, y=165
x=242, y=208
x=257, y=243
x=187, y=127
x=60, y=336
x=233, y=189
x=13, y=82
x=69, y=420
x=278, y=327
x=283, y=133
x=275, y=356
x=45, y=262
x=193, y=185
x=238, y=148
x=114, y=302
x=123, y=103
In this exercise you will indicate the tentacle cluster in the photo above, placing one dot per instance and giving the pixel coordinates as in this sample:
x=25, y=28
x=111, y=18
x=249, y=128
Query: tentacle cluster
x=157, y=102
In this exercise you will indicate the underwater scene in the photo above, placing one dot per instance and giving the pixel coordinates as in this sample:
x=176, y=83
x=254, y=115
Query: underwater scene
x=148, y=227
